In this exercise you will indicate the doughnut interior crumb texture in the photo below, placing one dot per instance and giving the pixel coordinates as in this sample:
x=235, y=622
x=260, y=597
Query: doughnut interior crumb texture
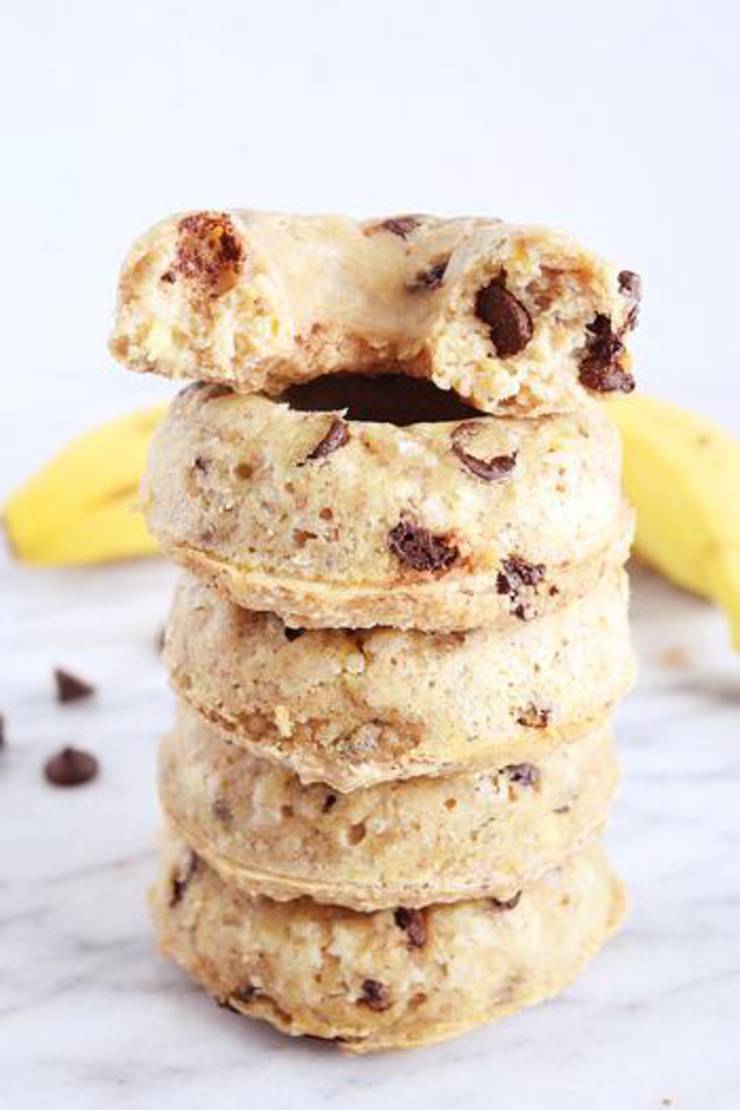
x=516, y=320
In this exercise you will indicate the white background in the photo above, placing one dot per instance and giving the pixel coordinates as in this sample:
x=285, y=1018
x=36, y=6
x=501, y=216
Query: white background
x=616, y=121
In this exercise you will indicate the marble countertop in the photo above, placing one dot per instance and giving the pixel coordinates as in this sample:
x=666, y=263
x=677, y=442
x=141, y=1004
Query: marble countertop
x=91, y=1017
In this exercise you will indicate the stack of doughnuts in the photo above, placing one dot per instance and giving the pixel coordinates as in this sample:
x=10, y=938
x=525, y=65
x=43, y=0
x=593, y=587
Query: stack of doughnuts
x=401, y=627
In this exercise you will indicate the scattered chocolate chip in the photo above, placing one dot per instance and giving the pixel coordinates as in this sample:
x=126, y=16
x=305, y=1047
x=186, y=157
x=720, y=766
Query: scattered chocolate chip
x=182, y=876
x=201, y=464
x=499, y=905
x=70, y=687
x=494, y=469
x=429, y=279
x=413, y=923
x=599, y=367
x=522, y=774
x=70, y=767
x=509, y=321
x=399, y=225
x=553, y=591
x=335, y=438
x=515, y=575
x=208, y=250
x=222, y=811
x=419, y=549
x=329, y=802
x=533, y=716
x=168, y=277
x=375, y=995
x=292, y=634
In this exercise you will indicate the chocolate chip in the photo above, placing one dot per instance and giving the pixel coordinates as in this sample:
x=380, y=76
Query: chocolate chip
x=168, y=277
x=292, y=634
x=509, y=321
x=329, y=802
x=489, y=470
x=375, y=995
x=335, y=438
x=522, y=774
x=70, y=687
x=429, y=279
x=419, y=549
x=499, y=905
x=201, y=464
x=182, y=876
x=399, y=225
x=413, y=923
x=222, y=810
x=599, y=366
x=515, y=575
x=562, y=809
x=208, y=251
x=70, y=767
x=533, y=716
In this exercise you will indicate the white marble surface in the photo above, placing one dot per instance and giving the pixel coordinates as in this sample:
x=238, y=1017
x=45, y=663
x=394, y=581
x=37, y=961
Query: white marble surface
x=91, y=1017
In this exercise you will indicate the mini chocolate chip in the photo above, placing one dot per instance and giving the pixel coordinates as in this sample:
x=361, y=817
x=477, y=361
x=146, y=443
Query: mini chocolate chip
x=335, y=438
x=222, y=810
x=429, y=279
x=499, y=905
x=413, y=923
x=201, y=464
x=523, y=774
x=533, y=716
x=509, y=321
x=70, y=687
x=416, y=547
x=400, y=225
x=329, y=802
x=599, y=367
x=70, y=767
x=182, y=876
x=375, y=995
x=489, y=470
x=517, y=574
x=168, y=277
x=292, y=634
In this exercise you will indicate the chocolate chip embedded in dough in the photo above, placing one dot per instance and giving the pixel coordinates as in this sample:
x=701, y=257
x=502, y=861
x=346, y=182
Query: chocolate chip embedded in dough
x=399, y=225
x=517, y=575
x=599, y=365
x=335, y=438
x=70, y=767
x=292, y=633
x=509, y=320
x=522, y=774
x=427, y=280
x=375, y=995
x=209, y=251
x=413, y=924
x=534, y=716
x=417, y=548
x=181, y=877
x=329, y=802
x=70, y=687
x=500, y=905
x=489, y=470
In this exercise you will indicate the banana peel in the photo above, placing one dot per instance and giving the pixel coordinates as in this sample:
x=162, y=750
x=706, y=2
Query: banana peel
x=682, y=474
x=83, y=506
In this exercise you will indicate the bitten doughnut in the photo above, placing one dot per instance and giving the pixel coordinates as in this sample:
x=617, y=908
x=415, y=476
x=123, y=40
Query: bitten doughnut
x=334, y=522
x=352, y=708
x=402, y=843
x=517, y=320
x=390, y=979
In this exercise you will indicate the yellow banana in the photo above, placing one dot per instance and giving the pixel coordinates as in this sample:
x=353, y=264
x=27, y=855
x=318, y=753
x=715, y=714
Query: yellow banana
x=682, y=473
x=83, y=506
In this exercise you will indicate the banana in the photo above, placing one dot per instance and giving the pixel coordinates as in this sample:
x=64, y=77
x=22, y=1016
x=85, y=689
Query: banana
x=682, y=473
x=83, y=506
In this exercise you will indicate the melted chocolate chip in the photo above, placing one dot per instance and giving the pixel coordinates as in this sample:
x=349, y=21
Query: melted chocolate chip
x=429, y=279
x=70, y=687
x=335, y=438
x=329, y=802
x=523, y=774
x=509, y=321
x=599, y=367
x=292, y=634
x=413, y=923
x=70, y=767
x=499, y=905
x=400, y=225
x=419, y=549
x=532, y=716
x=182, y=876
x=489, y=470
x=375, y=995
x=517, y=574
x=208, y=250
